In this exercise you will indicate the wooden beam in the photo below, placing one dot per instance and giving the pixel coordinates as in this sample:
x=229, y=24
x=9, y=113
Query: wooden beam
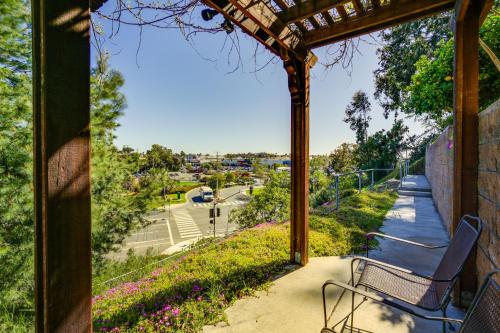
x=342, y=12
x=61, y=108
x=328, y=18
x=283, y=6
x=358, y=7
x=314, y=22
x=462, y=7
x=396, y=12
x=261, y=22
x=298, y=84
x=465, y=125
x=307, y=9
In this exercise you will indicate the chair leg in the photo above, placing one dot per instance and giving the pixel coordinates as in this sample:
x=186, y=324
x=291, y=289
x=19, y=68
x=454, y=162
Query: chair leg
x=352, y=310
x=444, y=322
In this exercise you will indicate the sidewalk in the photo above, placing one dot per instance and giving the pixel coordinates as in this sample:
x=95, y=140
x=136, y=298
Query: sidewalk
x=294, y=303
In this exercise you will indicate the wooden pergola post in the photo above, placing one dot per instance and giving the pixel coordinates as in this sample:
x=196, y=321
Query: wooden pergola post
x=298, y=84
x=468, y=15
x=61, y=107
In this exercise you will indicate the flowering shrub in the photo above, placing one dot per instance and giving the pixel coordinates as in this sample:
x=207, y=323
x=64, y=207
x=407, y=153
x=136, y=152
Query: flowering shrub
x=193, y=291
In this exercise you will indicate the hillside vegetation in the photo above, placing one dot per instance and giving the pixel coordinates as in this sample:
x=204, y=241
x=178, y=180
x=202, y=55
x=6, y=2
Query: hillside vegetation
x=193, y=291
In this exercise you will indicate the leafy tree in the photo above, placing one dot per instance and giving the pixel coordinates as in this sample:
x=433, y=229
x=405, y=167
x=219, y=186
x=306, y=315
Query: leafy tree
x=403, y=46
x=430, y=93
x=217, y=180
x=383, y=148
x=258, y=169
x=162, y=157
x=114, y=212
x=344, y=158
x=157, y=182
x=318, y=162
x=357, y=115
x=16, y=198
x=230, y=177
x=270, y=204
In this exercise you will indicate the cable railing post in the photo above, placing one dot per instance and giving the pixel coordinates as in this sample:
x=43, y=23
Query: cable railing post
x=400, y=174
x=373, y=183
x=337, y=198
x=359, y=181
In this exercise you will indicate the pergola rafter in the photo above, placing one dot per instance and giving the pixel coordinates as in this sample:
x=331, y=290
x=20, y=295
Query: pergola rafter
x=396, y=12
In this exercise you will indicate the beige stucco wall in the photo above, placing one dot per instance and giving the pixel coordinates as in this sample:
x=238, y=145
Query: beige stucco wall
x=439, y=172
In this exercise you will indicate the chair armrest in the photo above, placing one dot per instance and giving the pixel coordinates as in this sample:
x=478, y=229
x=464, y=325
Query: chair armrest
x=432, y=247
x=381, y=300
x=401, y=269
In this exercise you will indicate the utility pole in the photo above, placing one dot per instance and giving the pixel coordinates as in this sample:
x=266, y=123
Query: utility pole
x=216, y=186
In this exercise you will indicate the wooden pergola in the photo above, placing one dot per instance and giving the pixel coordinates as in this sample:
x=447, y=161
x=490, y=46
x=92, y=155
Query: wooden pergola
x=61, y=105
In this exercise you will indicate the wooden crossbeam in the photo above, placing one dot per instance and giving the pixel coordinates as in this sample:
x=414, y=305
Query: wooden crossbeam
x=396, y=12
x=358, y=7
x=307, y=9
x=314, y=22
x=462, y=7
x=342, y=12
x=328, y=18
x=261, y=22
x=283, y=6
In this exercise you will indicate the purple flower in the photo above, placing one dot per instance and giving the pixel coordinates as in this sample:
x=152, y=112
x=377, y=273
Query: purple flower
x=175, y=312
x=196, y=288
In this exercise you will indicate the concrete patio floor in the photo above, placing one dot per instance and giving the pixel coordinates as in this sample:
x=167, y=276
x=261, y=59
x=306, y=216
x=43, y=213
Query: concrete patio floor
x=294, y=302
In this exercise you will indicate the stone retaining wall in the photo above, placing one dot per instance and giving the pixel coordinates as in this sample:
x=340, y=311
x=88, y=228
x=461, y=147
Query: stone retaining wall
x=439, y=172
x=489, y=188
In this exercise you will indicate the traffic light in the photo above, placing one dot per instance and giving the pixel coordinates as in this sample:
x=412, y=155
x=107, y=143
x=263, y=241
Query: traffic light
x=211, y=215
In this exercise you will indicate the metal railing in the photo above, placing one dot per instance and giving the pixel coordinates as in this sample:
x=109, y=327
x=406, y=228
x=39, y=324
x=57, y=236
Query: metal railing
x=144, y=270
x=360, y=177
x=403, y=166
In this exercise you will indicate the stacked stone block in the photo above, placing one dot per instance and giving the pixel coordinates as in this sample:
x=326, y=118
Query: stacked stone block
x=489, y=188
x=439, y=172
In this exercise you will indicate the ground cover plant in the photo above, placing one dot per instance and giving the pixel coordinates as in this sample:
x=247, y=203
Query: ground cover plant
x=193, y=291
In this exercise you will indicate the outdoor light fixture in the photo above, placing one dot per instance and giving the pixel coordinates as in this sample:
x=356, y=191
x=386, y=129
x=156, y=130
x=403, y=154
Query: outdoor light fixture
x=227, y=26
x=208, y=14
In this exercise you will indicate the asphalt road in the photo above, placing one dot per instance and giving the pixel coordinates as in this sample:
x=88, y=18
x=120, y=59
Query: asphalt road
x=182, y=223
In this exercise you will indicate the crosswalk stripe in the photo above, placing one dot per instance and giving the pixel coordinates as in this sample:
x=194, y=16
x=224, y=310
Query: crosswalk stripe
x=186, y=225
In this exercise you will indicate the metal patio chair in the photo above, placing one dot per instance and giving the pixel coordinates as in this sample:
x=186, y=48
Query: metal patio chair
x=483, y=315
x=423, y=291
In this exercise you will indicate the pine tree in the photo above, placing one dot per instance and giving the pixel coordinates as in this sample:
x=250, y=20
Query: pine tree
x=357, y=115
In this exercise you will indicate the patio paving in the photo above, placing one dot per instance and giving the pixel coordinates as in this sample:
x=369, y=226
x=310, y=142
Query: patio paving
x=416, y=182
x=294, y=303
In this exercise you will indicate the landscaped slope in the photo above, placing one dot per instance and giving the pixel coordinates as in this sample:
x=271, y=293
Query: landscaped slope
x=193, y=291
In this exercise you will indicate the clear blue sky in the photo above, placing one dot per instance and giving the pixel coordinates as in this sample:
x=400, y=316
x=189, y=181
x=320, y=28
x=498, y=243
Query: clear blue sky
x=178, y=99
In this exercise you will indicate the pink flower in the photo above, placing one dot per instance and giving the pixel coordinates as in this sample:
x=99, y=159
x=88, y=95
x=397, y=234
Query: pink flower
x=176, y=312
